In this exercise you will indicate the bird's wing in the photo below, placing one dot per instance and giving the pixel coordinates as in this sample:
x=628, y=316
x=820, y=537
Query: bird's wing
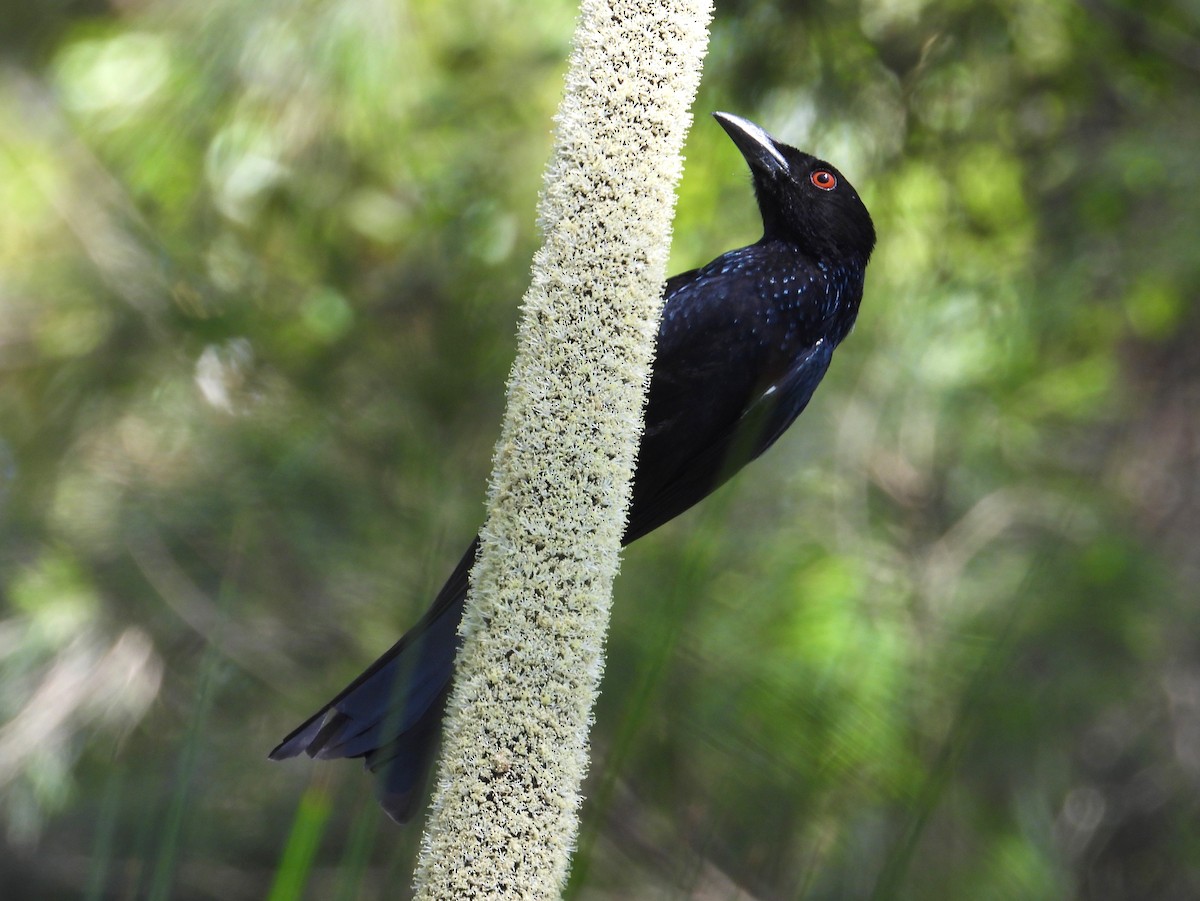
x=711, y=410
x=785, y=399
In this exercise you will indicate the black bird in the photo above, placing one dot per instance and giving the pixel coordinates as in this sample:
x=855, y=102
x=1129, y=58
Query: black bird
x=742, y=345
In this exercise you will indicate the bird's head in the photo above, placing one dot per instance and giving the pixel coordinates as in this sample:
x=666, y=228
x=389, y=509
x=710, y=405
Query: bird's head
x=803, y=200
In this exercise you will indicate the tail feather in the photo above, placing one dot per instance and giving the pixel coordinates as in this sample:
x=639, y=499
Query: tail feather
x=390, y=714
x=401, y=764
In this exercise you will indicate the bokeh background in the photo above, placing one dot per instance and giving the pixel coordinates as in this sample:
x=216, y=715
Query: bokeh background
x=259, y=273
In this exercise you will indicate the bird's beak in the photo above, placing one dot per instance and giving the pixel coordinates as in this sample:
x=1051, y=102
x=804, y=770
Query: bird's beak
x=759, y=148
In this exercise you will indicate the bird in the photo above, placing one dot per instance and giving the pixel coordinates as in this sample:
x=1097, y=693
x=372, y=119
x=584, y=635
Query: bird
x=742, y=344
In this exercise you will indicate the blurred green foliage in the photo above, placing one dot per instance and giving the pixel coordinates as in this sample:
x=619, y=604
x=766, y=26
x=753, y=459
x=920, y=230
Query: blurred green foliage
x=259, y=274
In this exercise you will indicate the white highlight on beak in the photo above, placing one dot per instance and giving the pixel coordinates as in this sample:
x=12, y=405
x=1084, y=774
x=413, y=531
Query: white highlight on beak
x=756, y=134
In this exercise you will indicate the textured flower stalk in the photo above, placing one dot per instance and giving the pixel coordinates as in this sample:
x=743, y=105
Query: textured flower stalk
x=505, y=809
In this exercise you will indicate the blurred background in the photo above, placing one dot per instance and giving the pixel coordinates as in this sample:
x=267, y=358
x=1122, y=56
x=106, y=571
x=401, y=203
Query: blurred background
x=259, y=273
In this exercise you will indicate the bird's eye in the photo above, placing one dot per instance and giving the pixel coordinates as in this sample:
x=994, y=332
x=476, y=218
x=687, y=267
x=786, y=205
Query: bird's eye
x=823, y=179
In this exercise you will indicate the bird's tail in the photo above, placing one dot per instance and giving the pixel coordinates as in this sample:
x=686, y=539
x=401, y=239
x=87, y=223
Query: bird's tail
x=391, y=714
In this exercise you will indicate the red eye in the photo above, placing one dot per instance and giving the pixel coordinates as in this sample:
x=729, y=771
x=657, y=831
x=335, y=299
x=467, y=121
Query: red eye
x=823, y=179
